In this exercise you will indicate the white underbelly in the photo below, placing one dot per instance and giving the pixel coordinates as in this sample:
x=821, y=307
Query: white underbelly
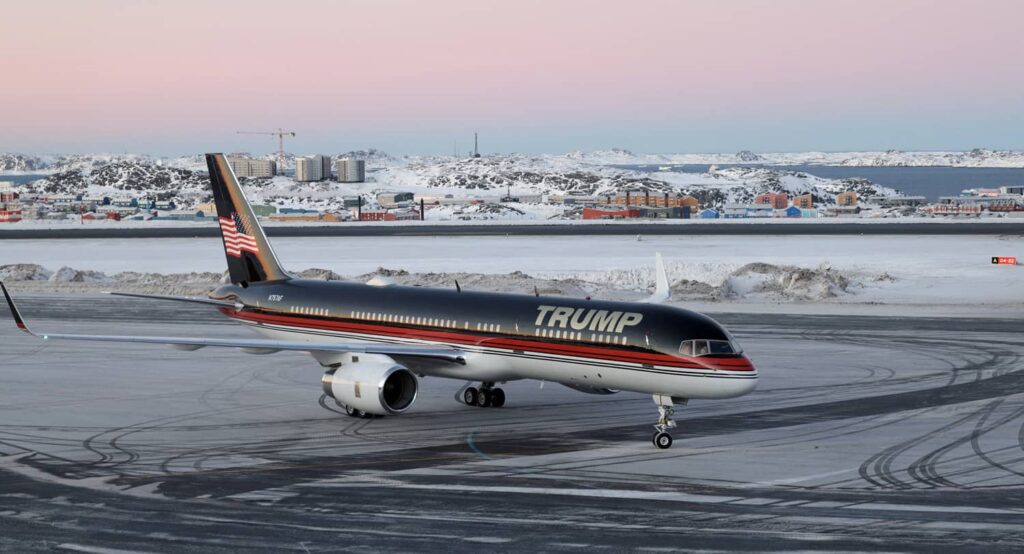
x=500, y=365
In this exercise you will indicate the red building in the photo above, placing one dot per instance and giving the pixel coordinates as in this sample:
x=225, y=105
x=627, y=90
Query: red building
x=610, y=213
x=10, y=208
x=778, y=201
x=389, y=215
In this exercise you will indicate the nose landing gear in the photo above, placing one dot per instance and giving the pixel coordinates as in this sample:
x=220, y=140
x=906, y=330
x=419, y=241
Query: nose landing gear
x=666, y=408
x=487, y=396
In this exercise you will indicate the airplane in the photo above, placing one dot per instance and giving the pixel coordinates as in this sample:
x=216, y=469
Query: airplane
x=376, y=339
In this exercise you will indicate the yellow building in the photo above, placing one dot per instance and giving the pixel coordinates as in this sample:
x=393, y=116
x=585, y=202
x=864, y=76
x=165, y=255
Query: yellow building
x=848, y=198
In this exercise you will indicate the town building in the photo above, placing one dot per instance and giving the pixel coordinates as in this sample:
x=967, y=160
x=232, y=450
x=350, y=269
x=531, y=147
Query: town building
x=208, y=209
x=665, y=213
x=576, y=200
x=249, y=167
x=843, y=211
x=395, y=199
x=655, y=200
x=10, y=206
x=778, y=201
x=313, y=168
x=760, y=210
x=897, y=201
x=734, y=211
x=742, y=211
x=804, y=201
x=1009, y=202
x=309, y=169
x=848, y=198
x=310, y=217
x=610, y=213
x=325, y=166
x=407, y=214
x=955, y=209
x=351, y=171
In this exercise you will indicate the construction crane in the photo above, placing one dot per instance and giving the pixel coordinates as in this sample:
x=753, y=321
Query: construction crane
x=280, y=134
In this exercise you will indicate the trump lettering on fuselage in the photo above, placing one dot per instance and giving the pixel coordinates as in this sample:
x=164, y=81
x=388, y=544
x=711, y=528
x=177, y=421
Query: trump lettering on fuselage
x=586, y=319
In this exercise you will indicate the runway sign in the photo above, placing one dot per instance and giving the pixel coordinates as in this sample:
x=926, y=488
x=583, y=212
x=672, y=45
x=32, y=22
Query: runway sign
x=1004, y=260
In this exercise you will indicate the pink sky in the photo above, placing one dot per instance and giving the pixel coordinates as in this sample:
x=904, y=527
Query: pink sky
x=411, y=76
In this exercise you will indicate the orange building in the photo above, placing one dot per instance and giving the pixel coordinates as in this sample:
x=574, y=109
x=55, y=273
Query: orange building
x=848, y=198
x=653, y=200
x=804, y=202
x=393, y=215
x=326, y=218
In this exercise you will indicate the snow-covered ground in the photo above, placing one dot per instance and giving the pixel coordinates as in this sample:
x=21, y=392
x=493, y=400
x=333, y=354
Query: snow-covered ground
x=978, y=157
x=540, y=181
x=940, y=271
x=16, y=163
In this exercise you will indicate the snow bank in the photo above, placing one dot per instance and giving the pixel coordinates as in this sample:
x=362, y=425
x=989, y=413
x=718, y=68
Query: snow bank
x=755, y=281
x=24, y=272
x=785, y=282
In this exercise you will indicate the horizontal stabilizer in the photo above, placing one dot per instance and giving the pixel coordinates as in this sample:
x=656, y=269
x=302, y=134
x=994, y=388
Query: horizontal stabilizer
x=208, y=301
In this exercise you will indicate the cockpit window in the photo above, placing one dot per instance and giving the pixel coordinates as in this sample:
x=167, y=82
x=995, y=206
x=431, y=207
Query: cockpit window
x=708, y=347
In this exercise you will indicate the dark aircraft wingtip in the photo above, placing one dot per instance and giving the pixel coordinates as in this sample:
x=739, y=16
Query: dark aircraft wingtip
x=14, y=309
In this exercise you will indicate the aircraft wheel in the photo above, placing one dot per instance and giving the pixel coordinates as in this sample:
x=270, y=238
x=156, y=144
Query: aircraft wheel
x=485, y=398
x=352, y=412
x=470, y=396
x=662, y=440
x=497, y=398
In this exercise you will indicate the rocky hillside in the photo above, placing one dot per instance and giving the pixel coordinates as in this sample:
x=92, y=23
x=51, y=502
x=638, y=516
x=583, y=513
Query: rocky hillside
x=492, y=176
x=487, y=177
x=136, y=178
x=22, y=163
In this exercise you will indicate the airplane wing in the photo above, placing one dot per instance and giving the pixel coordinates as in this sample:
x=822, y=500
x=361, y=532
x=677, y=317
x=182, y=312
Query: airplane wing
x=255, y=346
x=662, y=291
x=207, y=301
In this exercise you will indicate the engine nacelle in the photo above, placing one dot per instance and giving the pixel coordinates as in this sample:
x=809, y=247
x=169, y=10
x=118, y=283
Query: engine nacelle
x=372, y=383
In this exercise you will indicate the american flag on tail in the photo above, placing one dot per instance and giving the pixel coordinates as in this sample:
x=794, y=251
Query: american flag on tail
x=235, y=239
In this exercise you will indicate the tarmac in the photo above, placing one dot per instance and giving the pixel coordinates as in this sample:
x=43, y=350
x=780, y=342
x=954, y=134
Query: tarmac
x=866, y=433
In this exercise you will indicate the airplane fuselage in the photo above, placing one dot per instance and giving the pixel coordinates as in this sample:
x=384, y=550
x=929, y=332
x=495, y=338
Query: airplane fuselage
x=586, y=344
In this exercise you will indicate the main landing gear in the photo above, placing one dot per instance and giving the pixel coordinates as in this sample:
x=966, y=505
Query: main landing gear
x=487, y=396
x=666, y=408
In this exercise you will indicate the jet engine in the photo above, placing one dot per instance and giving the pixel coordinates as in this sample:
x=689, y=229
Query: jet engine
x=377, y=386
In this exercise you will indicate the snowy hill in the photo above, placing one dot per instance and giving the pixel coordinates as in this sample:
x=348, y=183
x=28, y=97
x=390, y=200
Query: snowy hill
x=137, y=177
x=22, y=163
x=568, y=175
x=487, y=178
x=979, y=157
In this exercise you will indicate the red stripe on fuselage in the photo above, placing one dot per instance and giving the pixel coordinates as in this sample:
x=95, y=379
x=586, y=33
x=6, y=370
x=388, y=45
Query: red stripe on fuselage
x=739, y=363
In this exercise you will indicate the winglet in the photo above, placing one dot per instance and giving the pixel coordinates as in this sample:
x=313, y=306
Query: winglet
x=14, y=311
x=662, y=291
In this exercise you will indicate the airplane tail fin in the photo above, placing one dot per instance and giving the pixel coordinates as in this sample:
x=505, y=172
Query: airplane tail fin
x=249, y=255
x=662, y=288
